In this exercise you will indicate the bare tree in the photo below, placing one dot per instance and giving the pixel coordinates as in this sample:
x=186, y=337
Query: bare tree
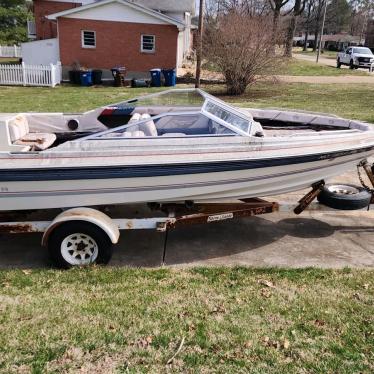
x=251, y=7
x=276, y=7
x=317, y=21
x=199, y=51
x=297, y=10
x=238, y=45
x=307, y=21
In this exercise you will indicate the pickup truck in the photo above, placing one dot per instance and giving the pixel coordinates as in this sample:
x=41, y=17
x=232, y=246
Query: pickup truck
x=355, y=57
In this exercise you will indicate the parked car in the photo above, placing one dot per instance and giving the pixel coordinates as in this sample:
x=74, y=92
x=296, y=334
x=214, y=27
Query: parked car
x=355, y=57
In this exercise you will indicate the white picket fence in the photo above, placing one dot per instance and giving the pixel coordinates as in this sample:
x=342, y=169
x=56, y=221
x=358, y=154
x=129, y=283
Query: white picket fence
x=30, y=75
x=13, y=51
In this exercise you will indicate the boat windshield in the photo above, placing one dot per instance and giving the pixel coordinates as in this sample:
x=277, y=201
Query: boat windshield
x=177, y=113
x=227, y=115
x=169, y=98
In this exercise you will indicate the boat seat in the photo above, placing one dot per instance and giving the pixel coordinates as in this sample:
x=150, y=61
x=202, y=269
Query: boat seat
x=19, y=133
x=133, y=134
x=135, y=118
x=173, y=134
x=257, y=130
x=149, y=127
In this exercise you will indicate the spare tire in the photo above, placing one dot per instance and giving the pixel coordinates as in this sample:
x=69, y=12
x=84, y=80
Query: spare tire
x=344, y=197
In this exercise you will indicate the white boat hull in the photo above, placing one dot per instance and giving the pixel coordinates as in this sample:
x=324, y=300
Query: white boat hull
x=255, y=182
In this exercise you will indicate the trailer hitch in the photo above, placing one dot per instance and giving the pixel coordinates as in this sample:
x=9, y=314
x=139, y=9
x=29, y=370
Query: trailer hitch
x=369, y=170
x=305, y=201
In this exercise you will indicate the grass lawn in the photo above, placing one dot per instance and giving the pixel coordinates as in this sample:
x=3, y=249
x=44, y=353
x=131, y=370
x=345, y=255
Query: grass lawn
x=229, y=320
x=300, y=67
x=347, y=100
x=307, y=68
x=8, y=60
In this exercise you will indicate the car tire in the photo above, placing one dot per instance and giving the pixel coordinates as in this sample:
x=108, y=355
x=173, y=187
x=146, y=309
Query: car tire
x=338, y=63
x=344, y=197
x=79, y=243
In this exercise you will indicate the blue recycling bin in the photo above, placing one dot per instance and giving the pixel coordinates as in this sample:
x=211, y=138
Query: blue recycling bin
x=155, y=77
x=170, y=77
x=86, y=78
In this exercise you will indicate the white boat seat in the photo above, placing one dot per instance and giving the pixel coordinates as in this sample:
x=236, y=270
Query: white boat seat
x=135, y=118
x=37, y=141
x=149, y=127
x=19, y=133
x=133, y=134
x=257, y=130
x=174, y=134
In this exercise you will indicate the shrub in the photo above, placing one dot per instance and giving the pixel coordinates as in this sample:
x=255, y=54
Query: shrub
x=241, y=47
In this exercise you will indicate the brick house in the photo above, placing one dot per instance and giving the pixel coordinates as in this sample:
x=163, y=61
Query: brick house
x=137, y=34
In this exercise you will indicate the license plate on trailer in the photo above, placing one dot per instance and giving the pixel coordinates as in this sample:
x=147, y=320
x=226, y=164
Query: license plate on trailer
x=220, y=217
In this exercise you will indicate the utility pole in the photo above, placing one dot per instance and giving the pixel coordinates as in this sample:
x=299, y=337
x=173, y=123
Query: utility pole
x=322, y=31
x=199, y=50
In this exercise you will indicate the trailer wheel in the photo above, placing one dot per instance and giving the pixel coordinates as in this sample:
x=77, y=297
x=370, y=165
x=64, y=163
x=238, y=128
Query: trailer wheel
x=344, y=197
x=79, y=243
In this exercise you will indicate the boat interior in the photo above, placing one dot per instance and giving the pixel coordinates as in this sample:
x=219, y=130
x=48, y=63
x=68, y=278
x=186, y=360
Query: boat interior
x=172, y=113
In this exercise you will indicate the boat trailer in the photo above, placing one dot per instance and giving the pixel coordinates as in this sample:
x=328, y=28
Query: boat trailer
x=166, y=216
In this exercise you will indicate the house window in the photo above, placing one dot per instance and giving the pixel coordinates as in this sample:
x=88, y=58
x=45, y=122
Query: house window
x=88, y=39
x=148, y=43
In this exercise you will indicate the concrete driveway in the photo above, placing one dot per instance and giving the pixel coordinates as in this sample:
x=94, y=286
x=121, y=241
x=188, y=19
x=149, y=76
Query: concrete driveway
x=330, y=240
x=333, y=240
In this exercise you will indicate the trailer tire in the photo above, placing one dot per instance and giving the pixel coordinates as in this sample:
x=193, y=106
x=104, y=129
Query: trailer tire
x=344, y=197
x=79, y=243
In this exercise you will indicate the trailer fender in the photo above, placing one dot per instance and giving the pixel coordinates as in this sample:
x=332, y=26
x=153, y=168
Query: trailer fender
x=93, y=216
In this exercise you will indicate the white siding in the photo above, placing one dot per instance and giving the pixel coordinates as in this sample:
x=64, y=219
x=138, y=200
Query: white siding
x=118, y=13
x=41, y=52
x=180, y=49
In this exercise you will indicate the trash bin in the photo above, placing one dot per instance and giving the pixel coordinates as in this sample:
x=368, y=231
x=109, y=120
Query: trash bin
x=97, y=76
x=75, y=76
x=72, y=76
x=137, y=83
x=119, y=73
x=155, y=77
x=86, y=78
x=170, y=77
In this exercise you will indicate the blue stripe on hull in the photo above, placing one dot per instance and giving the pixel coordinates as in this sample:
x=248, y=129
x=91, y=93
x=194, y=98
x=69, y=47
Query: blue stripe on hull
x=110, y=172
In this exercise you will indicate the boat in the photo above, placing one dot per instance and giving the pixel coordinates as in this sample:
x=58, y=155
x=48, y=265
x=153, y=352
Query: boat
x=172, y=146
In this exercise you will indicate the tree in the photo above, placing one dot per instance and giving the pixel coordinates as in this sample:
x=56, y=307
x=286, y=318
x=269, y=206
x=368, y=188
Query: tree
x=297, y=10
x=308, y=20
x=238, y=45
x=338, y=17
x=276, y=7
x=12, y=3
x=199, y=44
x=13, y=21
x=362, y=12
x=317, y=21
